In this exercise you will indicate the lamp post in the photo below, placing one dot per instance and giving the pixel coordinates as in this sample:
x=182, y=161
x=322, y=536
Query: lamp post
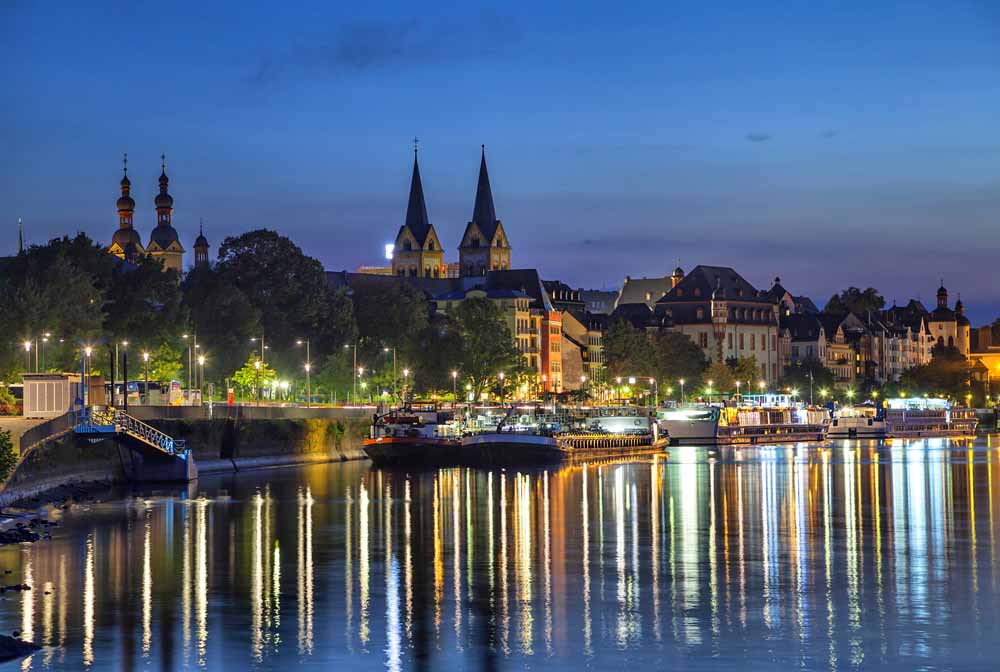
x=737, y=391
x=709, y=390
x=618, y=384
x=406, y=384
x=87, y=351
x=358, y=373
x=656, y=392
x=308, y=366
x=201, y=375
x=681, y=381
x=45, y=339
x=454, y=385
x=354, y=382
x=27, y=356
x=395, y=392
x=501, y=376
x=256, y=366
x=761, y=385
x=145, y=366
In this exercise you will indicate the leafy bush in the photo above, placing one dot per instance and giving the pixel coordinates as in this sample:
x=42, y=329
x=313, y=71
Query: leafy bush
x=8, y=459
x=8, y=404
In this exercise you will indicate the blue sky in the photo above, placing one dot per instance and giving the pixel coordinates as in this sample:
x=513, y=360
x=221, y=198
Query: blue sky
x=830, y=143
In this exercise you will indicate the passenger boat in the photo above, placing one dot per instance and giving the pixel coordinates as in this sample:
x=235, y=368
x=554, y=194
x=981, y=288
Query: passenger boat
x=922, y=417
x=857, y=422
x=526, y=436
x=757, y=418
x=413, y=437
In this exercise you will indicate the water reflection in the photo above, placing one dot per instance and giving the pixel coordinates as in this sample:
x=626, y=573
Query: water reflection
x=856, y=555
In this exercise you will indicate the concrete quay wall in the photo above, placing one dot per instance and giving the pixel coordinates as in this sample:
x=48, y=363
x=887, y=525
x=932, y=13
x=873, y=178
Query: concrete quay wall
x=229, y=443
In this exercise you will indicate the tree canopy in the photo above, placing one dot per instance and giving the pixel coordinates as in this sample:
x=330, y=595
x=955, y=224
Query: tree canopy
x=854, y=300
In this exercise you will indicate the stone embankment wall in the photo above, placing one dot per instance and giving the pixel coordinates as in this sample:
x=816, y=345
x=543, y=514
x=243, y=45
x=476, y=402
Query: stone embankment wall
x=220, y=441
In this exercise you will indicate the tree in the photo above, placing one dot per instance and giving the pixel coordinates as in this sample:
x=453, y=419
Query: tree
x=746, y=370
x=437, y=345
x=721, y=377
x=854, y=300
x=8, y=458
x=487, y=345
x=676, y=356
x=250, y=378
x=222, y=317
x=947, y=373
x=290, y=292
x=627, y=350
x=143, y=303
x=799, y=375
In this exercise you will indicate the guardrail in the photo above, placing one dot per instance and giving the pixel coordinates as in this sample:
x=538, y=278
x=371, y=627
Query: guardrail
x=121, y=422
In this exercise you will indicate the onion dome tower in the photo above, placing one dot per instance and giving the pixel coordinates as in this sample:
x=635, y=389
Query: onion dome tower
x=164, y=243
x=126, y=243
x=201, y=248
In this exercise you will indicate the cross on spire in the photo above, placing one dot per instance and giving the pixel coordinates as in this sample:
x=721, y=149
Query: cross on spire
x=163, y=163
x=416, y=144
x=125, y=164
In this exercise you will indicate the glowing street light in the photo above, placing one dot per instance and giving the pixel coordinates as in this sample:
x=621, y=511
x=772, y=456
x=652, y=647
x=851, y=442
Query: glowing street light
x=681, y=381
x=454, y=385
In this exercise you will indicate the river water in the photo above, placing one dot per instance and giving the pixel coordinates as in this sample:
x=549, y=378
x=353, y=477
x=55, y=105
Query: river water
x=852, y=556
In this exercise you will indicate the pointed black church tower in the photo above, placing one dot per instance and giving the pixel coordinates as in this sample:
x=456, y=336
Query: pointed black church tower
x=484, y=245
x=417, y=251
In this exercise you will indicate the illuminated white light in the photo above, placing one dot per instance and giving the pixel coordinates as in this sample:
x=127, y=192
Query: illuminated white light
x=388, y=251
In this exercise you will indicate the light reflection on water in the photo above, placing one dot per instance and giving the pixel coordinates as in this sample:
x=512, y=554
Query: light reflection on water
x=853, y=556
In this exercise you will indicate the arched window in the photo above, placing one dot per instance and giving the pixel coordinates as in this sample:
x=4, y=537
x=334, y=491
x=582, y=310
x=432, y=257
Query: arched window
x=430, y=245
x=475, y=241
x=699, y=313
x=407, y=245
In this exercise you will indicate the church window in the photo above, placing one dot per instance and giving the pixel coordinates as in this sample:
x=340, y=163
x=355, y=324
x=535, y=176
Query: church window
x=475, y=241
x=680, y=292
x=699, y=313
x=407, y=245
x=430, y=245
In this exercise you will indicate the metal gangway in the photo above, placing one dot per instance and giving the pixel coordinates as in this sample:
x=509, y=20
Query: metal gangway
x=117, y=422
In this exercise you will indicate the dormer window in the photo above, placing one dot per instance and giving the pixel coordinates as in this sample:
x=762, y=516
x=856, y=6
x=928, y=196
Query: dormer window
x=430, y=245
x=475, y=241
x=680, y=292
x=407, y=245
x=700, y=313
x=697, y=291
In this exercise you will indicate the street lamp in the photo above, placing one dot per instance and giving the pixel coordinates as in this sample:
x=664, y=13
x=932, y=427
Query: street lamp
x=761, y=385
x=27, y=357
x=256, y=366
x=201, y=374
x=395, y=392
x=454, y=385
x=308, y=366
x=354, y=383
x=501, y=376
x=618, y=383
x=737, y=389
x=45, y=339
x=681, y=381
x=145, y=366
x=709, y=390
x=656, y=392
x=406, y=382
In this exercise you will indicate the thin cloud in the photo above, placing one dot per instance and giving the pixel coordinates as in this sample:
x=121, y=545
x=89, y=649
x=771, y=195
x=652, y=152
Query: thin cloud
x=829, y=133
x=369, y=46
x=758, y=137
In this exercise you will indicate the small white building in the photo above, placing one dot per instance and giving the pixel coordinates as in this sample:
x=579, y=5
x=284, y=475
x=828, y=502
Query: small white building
x=48, y=395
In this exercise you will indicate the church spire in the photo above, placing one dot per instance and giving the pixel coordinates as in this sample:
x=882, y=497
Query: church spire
x=416, y=209
x=483, y=213
x=20, y=236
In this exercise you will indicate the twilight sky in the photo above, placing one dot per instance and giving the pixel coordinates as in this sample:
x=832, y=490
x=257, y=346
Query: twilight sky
x=829, y=142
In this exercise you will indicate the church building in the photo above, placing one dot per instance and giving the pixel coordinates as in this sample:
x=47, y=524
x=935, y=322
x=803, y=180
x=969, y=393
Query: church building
x=417, y=251
x=484, y=245
x=164, y=243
